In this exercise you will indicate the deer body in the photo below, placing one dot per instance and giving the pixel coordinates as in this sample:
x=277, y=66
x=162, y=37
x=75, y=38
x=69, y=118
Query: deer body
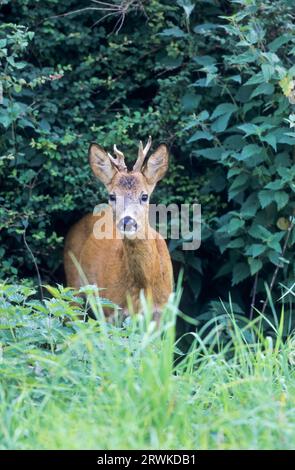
x=135, y=258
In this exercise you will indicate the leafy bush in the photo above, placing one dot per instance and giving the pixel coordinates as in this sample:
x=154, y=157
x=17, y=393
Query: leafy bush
x=213, y=79
x=247, y=135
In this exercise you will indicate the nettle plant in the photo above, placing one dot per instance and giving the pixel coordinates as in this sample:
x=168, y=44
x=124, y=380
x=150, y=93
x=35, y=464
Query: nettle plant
x=250, y=135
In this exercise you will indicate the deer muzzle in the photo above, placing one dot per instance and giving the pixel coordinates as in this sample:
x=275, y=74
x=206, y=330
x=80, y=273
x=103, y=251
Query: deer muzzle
x=127, y=225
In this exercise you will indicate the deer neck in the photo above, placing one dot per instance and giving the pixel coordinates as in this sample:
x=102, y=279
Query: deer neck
x=139, y=257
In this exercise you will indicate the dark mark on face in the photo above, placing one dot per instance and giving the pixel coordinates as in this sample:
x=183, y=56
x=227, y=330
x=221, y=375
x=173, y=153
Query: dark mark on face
x=128, y=182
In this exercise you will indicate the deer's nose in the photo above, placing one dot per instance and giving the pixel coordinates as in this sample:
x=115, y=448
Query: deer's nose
x=127, y=224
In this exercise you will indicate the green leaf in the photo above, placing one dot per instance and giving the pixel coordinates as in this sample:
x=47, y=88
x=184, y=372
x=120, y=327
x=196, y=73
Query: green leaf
x=267, y=71
x=263, y=89
x=255, y=265
x=256, y=249
x=220, y=124
x=233, y=172
x=200, y=135
x=175, y=32
x=225, y=269
x=235, y=224
x=266, y=197
x=274, y=242
x=248, y=151
x=205, y=28
x=213, y=153
x=281, y=198
x=244, y=58
x=271, y=139
x=20, y=65
x=258, y=231
x=187, y=6
x=5, y=120
x=271, y=57
x=204, y=60
x=223, y=108
x=274, y=258
x=250, y=206
x=235, y=78
x=279, y=41
x=275, y=245
x=190, y=101
x=203, y=116
x=196, y=263
x=287, y=138
x=255, y=79
x=249, y=129
x=236, y=243
x=277, y=184
x=239, y=181
x=240, y=272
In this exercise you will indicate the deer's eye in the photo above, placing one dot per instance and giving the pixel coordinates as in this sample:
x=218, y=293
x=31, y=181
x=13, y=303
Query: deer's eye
x=144, y=197
x=112, y=197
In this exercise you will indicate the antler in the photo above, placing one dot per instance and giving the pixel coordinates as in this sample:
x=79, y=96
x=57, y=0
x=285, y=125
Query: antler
x=119, y=162
x=142, y=153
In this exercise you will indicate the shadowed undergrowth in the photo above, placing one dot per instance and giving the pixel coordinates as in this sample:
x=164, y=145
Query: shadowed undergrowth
x=67, y=384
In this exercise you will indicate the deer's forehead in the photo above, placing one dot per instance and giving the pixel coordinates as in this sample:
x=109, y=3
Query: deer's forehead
x=128, y=182
x=132, y=183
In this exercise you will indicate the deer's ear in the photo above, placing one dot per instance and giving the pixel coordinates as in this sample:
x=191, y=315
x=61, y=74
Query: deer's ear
x=101, y=164
x=157, y=165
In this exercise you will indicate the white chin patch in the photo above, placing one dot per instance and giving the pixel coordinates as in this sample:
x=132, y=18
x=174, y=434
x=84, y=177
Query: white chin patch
x=131, y=231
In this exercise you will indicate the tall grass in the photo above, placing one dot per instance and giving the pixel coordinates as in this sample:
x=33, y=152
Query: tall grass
x=67, y=384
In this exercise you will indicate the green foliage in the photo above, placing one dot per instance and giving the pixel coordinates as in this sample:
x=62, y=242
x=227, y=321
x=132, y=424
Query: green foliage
x=67, y=384
x=213, y=79
x=249, y=136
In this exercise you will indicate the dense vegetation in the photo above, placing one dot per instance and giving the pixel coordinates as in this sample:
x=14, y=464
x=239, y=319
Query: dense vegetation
x=214, y=79
x=75, y=385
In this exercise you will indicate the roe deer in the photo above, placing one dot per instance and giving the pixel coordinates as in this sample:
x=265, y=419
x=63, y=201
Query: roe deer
x=136, y=257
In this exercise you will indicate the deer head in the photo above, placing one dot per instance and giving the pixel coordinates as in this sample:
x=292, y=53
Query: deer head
x=129, y=191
